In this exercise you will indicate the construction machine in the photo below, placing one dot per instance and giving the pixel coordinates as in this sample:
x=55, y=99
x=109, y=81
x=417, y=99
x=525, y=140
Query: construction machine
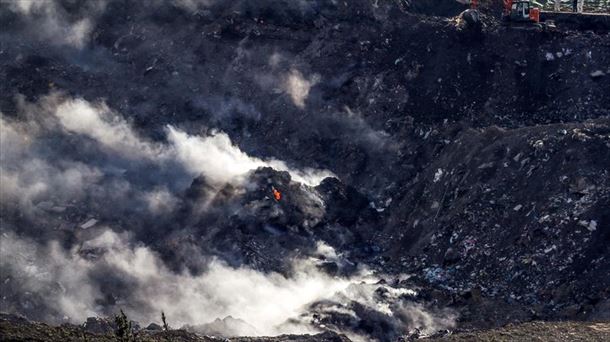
x=515, y=10
x=523, y=14
x=521, y=11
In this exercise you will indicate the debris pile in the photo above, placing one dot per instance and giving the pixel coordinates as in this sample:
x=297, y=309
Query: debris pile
x=248, y=225
x=520, y=214
x=470, y=158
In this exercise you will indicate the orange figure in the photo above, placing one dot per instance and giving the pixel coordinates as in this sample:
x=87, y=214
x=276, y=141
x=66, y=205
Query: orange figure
x=277, y=195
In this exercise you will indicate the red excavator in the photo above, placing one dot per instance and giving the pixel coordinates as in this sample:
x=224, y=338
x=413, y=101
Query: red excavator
x=521, y=11
x=516, y=11
x=523, y=14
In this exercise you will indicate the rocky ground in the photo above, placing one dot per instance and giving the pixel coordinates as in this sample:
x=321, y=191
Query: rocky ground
x=470, y=163
x=15, y=329
x=538, y=331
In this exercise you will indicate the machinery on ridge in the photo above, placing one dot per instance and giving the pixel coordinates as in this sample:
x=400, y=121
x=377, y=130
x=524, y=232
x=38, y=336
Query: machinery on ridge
x=520, y=11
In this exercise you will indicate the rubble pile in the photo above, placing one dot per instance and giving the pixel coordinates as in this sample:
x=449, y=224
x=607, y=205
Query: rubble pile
x=467, y=160
x=247, y=225
x=515, y=214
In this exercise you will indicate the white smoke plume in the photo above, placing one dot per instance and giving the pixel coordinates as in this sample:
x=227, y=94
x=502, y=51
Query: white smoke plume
x=70, y=150
x=298, y=87
x=214, y=156
x=27, y=177
x=428, y=322
x=50, y=22
x=221, y=161
x=106, y=127
x=34, y=167
x=262, y=302
x=75, y=173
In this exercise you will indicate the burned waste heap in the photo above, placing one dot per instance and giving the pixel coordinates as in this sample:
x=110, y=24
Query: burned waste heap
x=383, y=170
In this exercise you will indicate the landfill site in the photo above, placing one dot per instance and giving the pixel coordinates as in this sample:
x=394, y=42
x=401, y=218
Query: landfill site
x=304, y=170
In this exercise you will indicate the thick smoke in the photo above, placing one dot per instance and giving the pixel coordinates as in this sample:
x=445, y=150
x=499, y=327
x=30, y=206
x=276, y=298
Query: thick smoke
x=66, y=283
x=50, y=22
x=32, y=170
x=97, y=180
x=298, y=87
x=70, y=154
x=220, y=161
x=214, y=156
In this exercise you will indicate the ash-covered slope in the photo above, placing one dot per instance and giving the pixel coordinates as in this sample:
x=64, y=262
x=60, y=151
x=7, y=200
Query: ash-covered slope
x=520, y=214
x=141, y=147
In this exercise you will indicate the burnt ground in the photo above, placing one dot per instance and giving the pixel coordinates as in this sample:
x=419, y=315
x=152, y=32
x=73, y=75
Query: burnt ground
x=476, y=161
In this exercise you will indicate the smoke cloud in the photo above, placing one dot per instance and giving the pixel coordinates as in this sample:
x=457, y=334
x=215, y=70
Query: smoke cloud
x=99, y=198
x=66, y=282
x=214, y=156
x=34, y=171
x=107, y=128
x=50, y=22
x=69, y=155
x=220, y=161
x=73, y=163
x=298, y=87
x=263, y=300
x=28, y=177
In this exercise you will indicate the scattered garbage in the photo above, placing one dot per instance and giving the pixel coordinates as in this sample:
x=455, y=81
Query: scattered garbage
x=435, y=274
x=88, y=224
x=437, y=175
x=597, y=74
